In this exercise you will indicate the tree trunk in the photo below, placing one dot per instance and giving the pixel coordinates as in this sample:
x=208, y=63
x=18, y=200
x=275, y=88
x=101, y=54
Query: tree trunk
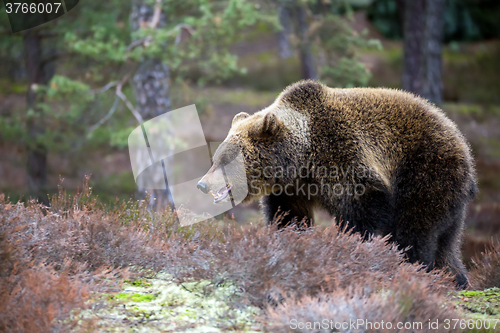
x=152, y=91
x=433, y=36
x=306, y=56
x=285, y=17
x=37, y=152
x=413, y=42
x=423, y=31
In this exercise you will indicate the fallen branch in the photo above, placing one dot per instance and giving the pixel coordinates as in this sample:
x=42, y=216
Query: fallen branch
x=124, y=98
x=103, y=89
x=106, y=118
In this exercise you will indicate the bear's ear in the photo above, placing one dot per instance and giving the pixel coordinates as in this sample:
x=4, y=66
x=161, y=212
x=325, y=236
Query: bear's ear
x=240, y=116
x=269, y=125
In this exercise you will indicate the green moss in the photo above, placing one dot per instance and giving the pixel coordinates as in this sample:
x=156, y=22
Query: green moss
x=121, y=296
x=485, y=302
x=135, y=297
x=158, y=305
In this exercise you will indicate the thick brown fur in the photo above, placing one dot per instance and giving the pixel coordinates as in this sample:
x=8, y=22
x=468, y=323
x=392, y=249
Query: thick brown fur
x=409, y=168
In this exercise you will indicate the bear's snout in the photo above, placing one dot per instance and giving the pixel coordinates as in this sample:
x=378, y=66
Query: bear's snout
x=202, y=186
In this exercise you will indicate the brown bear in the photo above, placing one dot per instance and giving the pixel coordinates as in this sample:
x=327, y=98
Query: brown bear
x=382, y=161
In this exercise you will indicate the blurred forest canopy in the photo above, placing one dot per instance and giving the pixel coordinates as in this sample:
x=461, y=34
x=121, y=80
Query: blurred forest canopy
x=464, y=20
x=82, y=72
x=78, y=66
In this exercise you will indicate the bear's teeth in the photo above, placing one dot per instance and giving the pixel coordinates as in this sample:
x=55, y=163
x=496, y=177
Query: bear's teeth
x=222, y=194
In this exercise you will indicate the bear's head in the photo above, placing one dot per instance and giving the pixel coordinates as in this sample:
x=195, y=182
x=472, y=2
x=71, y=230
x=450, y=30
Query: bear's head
x=253, y=140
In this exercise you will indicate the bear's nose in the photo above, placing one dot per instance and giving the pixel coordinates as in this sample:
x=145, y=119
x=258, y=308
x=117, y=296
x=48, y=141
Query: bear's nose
x=202, y=187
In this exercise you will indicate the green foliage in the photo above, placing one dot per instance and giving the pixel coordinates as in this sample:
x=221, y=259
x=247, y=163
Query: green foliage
x=119, y=138
x=348, y=73
x=197, y=35
x=66, y=106
x=106, y=46
x=11, y=129
x=195, y=43
x=329, y=37
x=61, y=88
x=337, y=46
x=96, y=39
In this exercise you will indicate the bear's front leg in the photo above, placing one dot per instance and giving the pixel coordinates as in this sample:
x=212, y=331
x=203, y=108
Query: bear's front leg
x=284, y=210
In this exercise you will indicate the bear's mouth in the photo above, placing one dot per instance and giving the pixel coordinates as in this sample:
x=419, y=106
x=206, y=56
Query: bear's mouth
x=222, y=195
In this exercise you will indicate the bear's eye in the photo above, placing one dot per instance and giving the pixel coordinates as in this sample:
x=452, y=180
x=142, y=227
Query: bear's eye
x=224, y=160
x=221, y=160
x=228, y=157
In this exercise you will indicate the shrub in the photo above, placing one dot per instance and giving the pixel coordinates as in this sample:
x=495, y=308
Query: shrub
x=53, y=258
x=268, y=266
x=347, y=310
x=474, y=243
x=37, y=299
x=486, y=271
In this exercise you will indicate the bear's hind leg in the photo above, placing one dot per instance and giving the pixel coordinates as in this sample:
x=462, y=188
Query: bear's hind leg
x=435, y=249
x=448, y=253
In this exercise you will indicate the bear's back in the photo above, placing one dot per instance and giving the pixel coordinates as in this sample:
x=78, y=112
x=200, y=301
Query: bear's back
x=379, y=126
x=399, y=119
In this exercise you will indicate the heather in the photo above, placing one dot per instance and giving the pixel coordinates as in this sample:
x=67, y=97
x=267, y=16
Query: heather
x=65, y=265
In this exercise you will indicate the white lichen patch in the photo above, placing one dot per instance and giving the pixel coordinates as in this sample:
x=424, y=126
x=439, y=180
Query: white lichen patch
x=160, y=305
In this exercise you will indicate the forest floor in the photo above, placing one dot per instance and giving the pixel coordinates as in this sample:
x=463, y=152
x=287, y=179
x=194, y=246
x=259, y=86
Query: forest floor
x=80, y=266
x=159, y=304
